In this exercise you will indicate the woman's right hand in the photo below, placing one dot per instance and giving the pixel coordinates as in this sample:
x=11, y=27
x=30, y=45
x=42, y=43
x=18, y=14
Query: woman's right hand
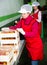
x=16, y=22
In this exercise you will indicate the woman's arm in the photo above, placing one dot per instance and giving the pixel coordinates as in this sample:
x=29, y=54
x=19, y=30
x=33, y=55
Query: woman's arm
x=16, y=26
x=39, y=16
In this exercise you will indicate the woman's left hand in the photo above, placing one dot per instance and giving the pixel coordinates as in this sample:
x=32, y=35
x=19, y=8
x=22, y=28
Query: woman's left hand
x=21, y=31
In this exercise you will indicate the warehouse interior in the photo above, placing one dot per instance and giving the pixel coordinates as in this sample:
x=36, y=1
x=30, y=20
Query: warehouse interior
x=8, y=16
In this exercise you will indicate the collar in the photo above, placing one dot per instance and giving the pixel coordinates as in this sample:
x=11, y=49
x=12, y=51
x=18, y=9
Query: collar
x=28, y=19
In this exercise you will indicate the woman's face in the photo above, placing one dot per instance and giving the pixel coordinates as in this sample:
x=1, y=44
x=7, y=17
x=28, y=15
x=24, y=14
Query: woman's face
x=35, y=7
x=25, y=15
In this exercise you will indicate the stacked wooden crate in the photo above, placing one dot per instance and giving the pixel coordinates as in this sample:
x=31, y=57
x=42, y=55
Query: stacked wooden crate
x=10, y=39
x=6, y=55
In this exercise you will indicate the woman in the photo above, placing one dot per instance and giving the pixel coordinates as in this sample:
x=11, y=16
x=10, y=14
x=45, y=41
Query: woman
x=28, y=26
x=37, y=14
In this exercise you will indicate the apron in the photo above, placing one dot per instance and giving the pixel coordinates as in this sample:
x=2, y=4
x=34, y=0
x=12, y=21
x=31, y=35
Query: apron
x=35, y=15
x=33, y=44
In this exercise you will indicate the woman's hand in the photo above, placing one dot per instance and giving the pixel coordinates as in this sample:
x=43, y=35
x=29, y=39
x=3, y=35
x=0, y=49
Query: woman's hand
x=21, y=31
x=16, y=22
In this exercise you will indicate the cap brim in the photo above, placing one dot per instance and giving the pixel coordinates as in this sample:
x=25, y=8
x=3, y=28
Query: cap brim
x=24, y=11
x=33, y=5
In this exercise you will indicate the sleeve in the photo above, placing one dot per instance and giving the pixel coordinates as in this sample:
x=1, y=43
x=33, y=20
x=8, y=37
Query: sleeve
x=39, y=16
x=16, y=26
x=33, y=32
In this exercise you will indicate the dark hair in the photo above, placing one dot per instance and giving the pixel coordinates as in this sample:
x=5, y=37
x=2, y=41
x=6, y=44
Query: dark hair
x=33, y=10
x=40, y=8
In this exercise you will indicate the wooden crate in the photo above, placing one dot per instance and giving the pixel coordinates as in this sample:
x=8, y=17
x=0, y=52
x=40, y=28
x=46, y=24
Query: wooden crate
x=6, y=55
x=11, y=62
x=10, y=38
